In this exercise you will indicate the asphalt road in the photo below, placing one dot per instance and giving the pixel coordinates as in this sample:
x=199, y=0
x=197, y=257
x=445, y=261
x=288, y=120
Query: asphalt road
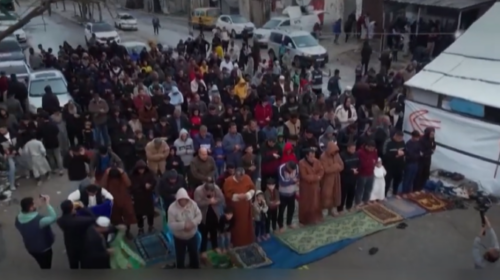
x=435, y=242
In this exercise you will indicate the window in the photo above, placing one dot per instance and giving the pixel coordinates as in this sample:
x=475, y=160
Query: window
x=225, y=19
x=286, y=23
x=9, y=46
x=102, y=28
x=276, y=38
x=37, y=87
x=271, y=24
x=288, y=42
x=239, y=19
x=213, y=13
x=305, y=41
x=14, y=69
x=126, y=17
x=469, y=109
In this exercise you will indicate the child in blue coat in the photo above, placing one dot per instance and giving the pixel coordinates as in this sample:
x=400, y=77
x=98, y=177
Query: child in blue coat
x=219, y=156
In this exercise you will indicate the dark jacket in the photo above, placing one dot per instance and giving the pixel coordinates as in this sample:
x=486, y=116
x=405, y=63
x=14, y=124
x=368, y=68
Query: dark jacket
x=351, y=161
x=94, y=251
x=427, y=144
x=75, y=164
x=48, y=133
x=412, y=151
x=74, y=228
x=270, y=164
x=50, y=102
x=391, y=160
x=167, y=190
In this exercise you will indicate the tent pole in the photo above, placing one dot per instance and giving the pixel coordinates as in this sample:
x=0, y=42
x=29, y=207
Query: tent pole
x=418, y=21
x=459, y=21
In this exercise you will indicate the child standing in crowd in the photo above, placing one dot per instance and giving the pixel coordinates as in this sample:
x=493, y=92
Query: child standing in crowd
x=218, y=154
x=273, y=201
x=260, y=216
x=226, y=224
x=195, y=123
x=378, y=191
x=288, y=187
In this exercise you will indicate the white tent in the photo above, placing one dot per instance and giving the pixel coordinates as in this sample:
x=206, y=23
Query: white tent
x=469, y=68
x=468, y=74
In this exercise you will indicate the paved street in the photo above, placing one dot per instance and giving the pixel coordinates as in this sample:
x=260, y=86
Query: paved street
x=435, y=241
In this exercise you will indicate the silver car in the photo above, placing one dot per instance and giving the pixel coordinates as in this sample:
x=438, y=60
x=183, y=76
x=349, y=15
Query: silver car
x=18, y=67
x=36, y=88
x=303, y=47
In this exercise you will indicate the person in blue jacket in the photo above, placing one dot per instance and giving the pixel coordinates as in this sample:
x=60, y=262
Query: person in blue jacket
x=337, y=30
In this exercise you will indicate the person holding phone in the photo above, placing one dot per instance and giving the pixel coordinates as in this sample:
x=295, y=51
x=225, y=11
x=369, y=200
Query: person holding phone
x=36, y=229
x=485, y=255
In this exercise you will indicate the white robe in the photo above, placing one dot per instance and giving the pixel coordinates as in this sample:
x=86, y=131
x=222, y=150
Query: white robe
x=378, y=191
x=36, y=151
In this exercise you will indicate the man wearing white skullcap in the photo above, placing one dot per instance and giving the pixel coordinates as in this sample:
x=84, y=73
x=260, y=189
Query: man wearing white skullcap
x=95, y=254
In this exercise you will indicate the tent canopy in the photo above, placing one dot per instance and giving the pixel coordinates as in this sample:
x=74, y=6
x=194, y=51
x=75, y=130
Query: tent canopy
x=469, y=68
x=450, y=4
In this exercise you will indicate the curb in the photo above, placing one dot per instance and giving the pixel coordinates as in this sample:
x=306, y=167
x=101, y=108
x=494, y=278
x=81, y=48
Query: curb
x=166, y=16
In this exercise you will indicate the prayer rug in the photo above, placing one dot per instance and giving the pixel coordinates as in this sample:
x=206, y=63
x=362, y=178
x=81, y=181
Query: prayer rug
x=382, y=214
x=124, y=257
x=250, y=256
x=428, y=201
x=153, y=248
x=220, y=261
x=405, y=208
x=309, y=238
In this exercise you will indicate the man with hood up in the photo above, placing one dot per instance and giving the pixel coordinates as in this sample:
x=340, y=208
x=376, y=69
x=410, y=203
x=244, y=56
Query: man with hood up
x=168, y=185
x=185, y=148
x=327, y=137
x=50, y=102
x=184, y=217
x=143, y=182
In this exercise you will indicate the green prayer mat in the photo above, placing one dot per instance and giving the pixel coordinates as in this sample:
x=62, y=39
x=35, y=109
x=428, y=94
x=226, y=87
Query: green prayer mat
x=309, y=238
x=220, y=261
x=123, y=256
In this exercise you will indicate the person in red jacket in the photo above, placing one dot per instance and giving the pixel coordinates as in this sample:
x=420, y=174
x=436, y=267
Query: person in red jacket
x=263, y=112
x=367, y=159
x=195, y=123
x=288, y=154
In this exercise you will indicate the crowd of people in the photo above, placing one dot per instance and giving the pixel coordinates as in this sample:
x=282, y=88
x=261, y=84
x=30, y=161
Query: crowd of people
x=209, y=135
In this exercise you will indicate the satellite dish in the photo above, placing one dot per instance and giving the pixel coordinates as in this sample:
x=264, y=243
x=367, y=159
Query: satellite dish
x=303, y=3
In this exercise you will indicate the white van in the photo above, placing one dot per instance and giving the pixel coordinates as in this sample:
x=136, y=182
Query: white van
x=294, y=18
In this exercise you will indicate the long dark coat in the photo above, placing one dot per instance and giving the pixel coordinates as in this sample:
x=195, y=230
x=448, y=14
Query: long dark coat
x=143, y=197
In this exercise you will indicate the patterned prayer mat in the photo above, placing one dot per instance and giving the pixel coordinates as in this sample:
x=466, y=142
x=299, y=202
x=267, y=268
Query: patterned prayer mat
x=382, y=214
x=428, y=201
x=404, y=208
x=309, y=238
x=124, y=257
x=251, y=256
x=153, y=248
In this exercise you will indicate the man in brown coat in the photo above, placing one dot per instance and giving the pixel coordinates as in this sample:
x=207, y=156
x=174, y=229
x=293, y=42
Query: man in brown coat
x=330, y=185
x=310, y=174
x=156, y=153
x=202, y=169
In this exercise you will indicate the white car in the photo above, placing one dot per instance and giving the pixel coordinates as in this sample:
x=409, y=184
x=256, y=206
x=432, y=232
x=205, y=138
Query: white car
x=126, y=21
x=18, y=67
x=19, y=34
x=235, y=24
x=135, y=46
x=261, y=35
x=104, y=32
x=36, y=88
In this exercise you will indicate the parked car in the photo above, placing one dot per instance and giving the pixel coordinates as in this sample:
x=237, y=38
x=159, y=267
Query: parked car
x=235, y=24
x=304, y=48
x=294, y=18
x=36, y=88
x=104, y=32
x=126, y=21
x=19, y=34
x=18, y=67
x=10, y=50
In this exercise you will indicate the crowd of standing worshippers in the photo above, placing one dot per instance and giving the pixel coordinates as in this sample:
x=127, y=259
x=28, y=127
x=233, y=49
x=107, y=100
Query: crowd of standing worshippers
x=200, y=128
